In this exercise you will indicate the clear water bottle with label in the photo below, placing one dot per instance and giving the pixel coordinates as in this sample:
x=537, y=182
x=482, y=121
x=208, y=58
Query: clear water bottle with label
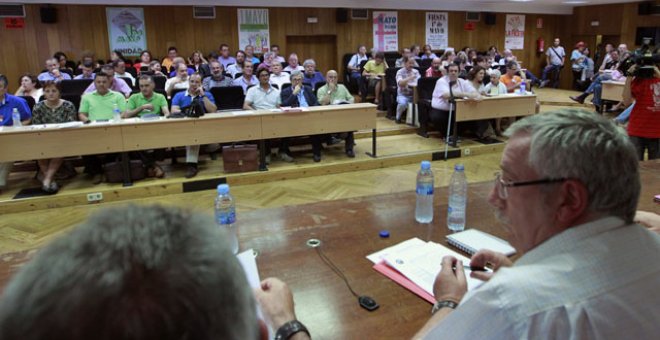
x=225, y=215
x=457, y=199
x=116, y=114
x=424, y=206
x=523, y=88
x=16, y=117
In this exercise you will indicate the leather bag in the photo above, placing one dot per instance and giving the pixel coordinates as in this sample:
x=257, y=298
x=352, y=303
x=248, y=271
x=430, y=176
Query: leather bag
x=240, y=158
x=113, y=173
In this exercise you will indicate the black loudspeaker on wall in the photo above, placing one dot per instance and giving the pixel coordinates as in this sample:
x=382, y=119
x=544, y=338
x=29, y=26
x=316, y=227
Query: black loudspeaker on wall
x=490, y=18
x=48, y=15
x=342, y=15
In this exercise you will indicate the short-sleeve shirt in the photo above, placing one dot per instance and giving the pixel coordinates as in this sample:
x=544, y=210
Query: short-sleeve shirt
x=402, y=74
x=261, y=99
x=645, y=116
x=138, y=99
x=7, y=108
x=209, y=82
x=42, y=114
x=99, y=107
x=244, y=84
x=508, y=81
x=183, y=99
x=340, y=95
x=118, y=85
x=442, y=87
x=47, y=76
x=371, y=67
x=554, y=59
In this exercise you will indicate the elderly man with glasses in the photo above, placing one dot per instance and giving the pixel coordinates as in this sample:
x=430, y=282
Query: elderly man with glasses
x=567, y=193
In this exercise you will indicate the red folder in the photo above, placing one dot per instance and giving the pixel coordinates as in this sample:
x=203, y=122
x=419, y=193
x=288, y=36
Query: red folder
x=397, y=277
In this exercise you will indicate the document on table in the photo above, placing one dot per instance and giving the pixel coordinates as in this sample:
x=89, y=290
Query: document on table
x=249, y=264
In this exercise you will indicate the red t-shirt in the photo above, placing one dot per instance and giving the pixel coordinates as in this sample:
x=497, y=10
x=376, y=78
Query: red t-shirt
x=645, y=116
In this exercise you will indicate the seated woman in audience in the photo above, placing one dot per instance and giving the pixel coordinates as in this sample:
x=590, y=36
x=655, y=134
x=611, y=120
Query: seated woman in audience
x=62, y=59
x=447, y=58
x=145, y=60
x=50, y=111
x=428, y=52
x=196, y=61
x=471, y=57
x=495, y=87
x=476, y=77
x=493, y=53
x=29, y=87
x=154, y=66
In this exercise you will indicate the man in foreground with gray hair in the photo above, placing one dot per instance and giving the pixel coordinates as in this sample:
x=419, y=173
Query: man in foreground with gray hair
x=142, y=273
x=568, y=192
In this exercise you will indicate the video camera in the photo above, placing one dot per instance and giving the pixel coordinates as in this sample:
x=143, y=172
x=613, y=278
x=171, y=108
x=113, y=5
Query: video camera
x=645, y=58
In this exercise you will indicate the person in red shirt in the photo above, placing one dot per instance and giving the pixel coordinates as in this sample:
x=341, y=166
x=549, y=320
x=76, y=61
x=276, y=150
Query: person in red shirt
x=644, y=124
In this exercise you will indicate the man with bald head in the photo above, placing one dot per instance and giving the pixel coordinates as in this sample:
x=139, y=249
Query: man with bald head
x=435, y=70
x=53, y=72
x=334, y=94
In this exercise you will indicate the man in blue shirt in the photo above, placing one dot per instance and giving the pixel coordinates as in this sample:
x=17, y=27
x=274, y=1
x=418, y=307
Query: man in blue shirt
x=53, y=72
x=183, y=99
x=312, y=76
x=7, y=105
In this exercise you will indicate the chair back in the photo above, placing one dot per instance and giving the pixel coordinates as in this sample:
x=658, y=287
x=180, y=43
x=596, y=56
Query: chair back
x=425, y=87
x=75, y=86
x=159, y=82
x=30, y=101
x=228, y=97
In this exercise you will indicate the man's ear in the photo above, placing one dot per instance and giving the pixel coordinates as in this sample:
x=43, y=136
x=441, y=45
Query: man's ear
x=575, y=202
x=263, y=329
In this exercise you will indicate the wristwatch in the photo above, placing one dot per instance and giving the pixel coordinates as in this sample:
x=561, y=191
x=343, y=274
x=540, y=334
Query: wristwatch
x=441, y=304
x=290, y=328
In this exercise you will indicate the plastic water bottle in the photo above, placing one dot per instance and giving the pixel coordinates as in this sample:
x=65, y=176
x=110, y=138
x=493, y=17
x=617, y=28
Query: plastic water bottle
x=424, y=207
x=523, y=85
x=457, y=199
x=116, y=115
x=225, y=215
x=16, y=117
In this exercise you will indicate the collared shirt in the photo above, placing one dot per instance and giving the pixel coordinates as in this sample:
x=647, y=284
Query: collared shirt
x=226, y=61
x=312, y=79
x=402, y=74
x=210, y=82
x=280, y=59
x=288, y=68
x=118, y=85
x=399, y=63
x=356, y=60
x=592, y=281
x=99, y=107
x=283, y=78
x=233, y=69
x=442, y=87
x=82, y=76
x=430, y=72
x=302, y=101
x=7, y=108
x=138, y=99
x=126, y=75
x=555, y=58
x=338, y=96
x=182, y=85
x=508, y=81
x=184, y=98
x=242, y=82
x=261, y=99
x=47, y=76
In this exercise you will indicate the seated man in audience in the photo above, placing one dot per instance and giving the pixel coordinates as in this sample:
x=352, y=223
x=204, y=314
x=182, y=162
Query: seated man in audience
x=406, y=76
x=249, y=55
x=460, y=88
x=148, y=102
x=276, y=54
x=117, y=85
x=435, y=70
x=8, y=103
x=143, y=272
x=513, y=77
x=217, y=77
x=248, y=78
x=277, y=77
x=334, y=94
x=98, y=105
x=269, y=60
x=87, y=71
x=405, y=53
x=265, y=97
x=180, y=81
x=374, y=70
x=355, y=62
x=237, y=67
x=184, y=99
x=581, y=271
x=300, y=95
x=177, y=61
x=120, y=71
x=53, y=72
x=167, y=62
x=311, y=75
x=225, y=58
x=154, y=66
x=293, y=64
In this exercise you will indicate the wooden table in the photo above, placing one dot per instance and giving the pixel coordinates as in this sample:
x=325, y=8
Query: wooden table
x=506, y=105
x=349, y=230
x=612, y=90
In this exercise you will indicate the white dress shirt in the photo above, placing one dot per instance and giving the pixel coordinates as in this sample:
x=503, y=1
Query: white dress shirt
x=442, y=87
x=599, y=280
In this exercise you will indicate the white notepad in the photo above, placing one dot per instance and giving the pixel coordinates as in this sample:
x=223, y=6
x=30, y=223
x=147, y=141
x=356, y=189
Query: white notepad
x=473, y=240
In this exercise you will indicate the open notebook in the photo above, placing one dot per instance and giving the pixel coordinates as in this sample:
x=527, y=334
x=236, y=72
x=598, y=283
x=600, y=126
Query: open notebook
x=473, y=240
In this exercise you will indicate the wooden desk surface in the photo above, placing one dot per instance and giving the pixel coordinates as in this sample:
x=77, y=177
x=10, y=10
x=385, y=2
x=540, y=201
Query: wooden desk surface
x=349, y=231
x=612, y=90
x=508, y=105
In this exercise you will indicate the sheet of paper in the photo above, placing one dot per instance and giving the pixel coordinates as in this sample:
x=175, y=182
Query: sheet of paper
x=249, y=264
x=398, y=248
x=69, y=125
x=242, y=113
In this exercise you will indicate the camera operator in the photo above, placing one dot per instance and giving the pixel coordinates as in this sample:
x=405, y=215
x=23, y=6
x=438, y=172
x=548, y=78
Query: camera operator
x=643, y=86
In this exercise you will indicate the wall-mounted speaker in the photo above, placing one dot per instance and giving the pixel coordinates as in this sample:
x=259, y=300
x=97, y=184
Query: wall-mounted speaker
x=490, y=18
x=342, y=15
x=48, y=15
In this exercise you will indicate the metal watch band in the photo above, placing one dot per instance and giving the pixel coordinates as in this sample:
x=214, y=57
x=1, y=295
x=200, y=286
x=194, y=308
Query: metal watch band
x=290, y=328
x=441, y=304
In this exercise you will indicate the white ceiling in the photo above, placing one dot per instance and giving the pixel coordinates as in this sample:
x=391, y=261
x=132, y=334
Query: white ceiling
x=509, y=6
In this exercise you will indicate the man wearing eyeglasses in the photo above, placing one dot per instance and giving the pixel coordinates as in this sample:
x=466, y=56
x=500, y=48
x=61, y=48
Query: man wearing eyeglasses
x=300, y=95
x=567, y=192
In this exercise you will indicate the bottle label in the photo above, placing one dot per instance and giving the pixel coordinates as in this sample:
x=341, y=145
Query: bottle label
x=228, y=218
x=424, y=189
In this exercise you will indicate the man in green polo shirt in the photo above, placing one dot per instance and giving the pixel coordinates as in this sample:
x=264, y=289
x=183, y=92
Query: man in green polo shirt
x=98, y=105
x=147, y=101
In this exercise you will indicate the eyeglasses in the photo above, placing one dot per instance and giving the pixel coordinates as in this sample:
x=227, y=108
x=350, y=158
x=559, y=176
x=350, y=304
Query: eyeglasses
x=501, y=184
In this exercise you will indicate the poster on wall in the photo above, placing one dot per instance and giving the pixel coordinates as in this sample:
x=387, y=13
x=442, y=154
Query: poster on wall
x=514, y=32
x=253, y=29
x=437, y=30
x=386, y=32
x=126, y=30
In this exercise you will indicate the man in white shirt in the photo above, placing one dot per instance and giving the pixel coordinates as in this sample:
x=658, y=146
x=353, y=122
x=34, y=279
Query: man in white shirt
x=406, y=76
x=248, y=78
x=237, y=67
x=460, y=88
x=293, y=64
x=584, y=270
x=277, y=77
x=120, y=72
x=555, y=58
x=179, y=81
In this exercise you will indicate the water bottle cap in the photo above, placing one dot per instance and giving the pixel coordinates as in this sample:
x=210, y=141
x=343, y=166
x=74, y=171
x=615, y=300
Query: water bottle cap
x=459, y=167
x=426, y=165
x=223, y=189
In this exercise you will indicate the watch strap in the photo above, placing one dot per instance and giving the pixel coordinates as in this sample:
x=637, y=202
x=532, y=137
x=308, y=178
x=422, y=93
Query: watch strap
x=290, y=328
x=441, y=304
